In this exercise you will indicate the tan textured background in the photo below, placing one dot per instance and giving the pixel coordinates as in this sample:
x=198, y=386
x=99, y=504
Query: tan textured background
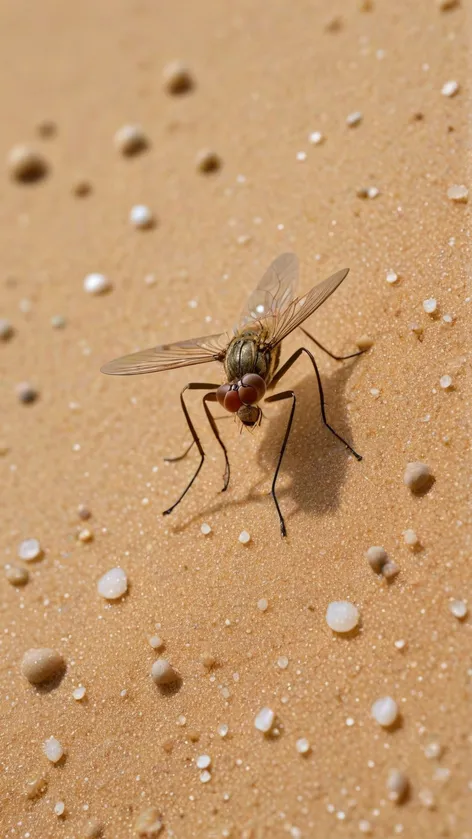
x=267, y=75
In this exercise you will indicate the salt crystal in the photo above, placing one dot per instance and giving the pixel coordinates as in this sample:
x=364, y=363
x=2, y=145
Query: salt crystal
x=427, y=799
x=264, y=720
x=141, y=216
x=458, y=608
x=417, y=476
x=113, y=584
x=316, y=138
x=390, y=570
x=205, y=776
x=450, y=88
x=16, y=575
x=58, y=322
x=301, y=156
x=445, y=382
x=205, y=529
x=385, y=711
x=85, y=535
x=244, y=537
x=400, y=644
x=458, y=193
x=156, y=642
x=342, y=616
x=262, y=605
x=373, y=192
x=433, y=751
x=302, y=746
x=392, y=277
x=430, y=305
x=282, y=662
x=53, y=749
x=203, y=761
x=96, y=284
x=223, y=730
x=29, y=550
x=354, y=119
x=365, y=826
x=59, y=808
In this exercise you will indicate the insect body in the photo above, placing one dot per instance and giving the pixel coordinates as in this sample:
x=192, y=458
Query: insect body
x=250, y=357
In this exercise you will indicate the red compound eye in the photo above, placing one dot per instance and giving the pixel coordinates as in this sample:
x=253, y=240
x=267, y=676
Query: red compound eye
x=247, y=395
x=221, y=393
x=252, y=382
x=232, y=401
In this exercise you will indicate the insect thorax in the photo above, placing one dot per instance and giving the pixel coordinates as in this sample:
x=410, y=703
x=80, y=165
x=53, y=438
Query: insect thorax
x=248, y=354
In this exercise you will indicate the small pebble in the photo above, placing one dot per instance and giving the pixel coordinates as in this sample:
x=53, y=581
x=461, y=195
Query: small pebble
x=264, y=720
x=458, y=608
x=205, y=529
x=16, y=575
x=93, y=829
x=81, y=188
x=301, y=156
x=203, y=761
x=445, y=382
x=163, y=673
x=447, y=5
x=373, y=191
x=53, y=749
x=302, y=746
x=85, y=535
x=244, y=537
x=417, y=476
x=390, y=570
x=316, y=138
x=29, y=550
x=207, y=161
x=208, y=660
x=385, y=711
x=223, y=730
x=262, y=605
x=177, y=78
x=364, y=343
x=342, y=616
x=35, y=787
x=458, y=193
x=430, y=305
x=354, y=119
x=376, y=557
x=6, y=330
x=83, y=512
x=79, y=693
x=410, y=538
x=113, y=584
x=26, y=165
x=364, y=825
x=130, y=140
x=47, y=129
x=392, y=277
x=450, y=88
x=58, y=322
x=205, y=776
x=26, y=393
x=433, y=751
x=400, y=644
x=96, y=284
x=149, y=823
x=141, y=217
x=427, y=799
x=59, y=808
x=397, y=786
x=282, y=662
x=156, y=642
x=41, y=665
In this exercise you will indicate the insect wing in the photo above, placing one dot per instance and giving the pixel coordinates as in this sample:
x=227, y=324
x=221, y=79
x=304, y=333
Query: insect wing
x=169, y=356
x=275, y=290
x=301, y=308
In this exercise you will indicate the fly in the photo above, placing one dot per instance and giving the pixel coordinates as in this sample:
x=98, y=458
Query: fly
x=250, y=356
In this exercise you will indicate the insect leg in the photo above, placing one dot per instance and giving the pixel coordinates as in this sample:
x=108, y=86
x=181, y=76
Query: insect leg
x=179, y=456
x=287, y=366
x=191, y=386
x=332, y=355
x=286, y=394
x=211, y=397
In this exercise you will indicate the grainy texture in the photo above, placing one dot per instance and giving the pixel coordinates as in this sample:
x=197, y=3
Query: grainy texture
x=263, y=83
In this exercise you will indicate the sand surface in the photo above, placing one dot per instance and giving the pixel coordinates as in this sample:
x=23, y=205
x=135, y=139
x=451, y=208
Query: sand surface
x=267, y=74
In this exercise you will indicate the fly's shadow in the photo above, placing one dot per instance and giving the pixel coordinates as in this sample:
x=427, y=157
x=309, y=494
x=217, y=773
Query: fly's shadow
x=314, y=461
